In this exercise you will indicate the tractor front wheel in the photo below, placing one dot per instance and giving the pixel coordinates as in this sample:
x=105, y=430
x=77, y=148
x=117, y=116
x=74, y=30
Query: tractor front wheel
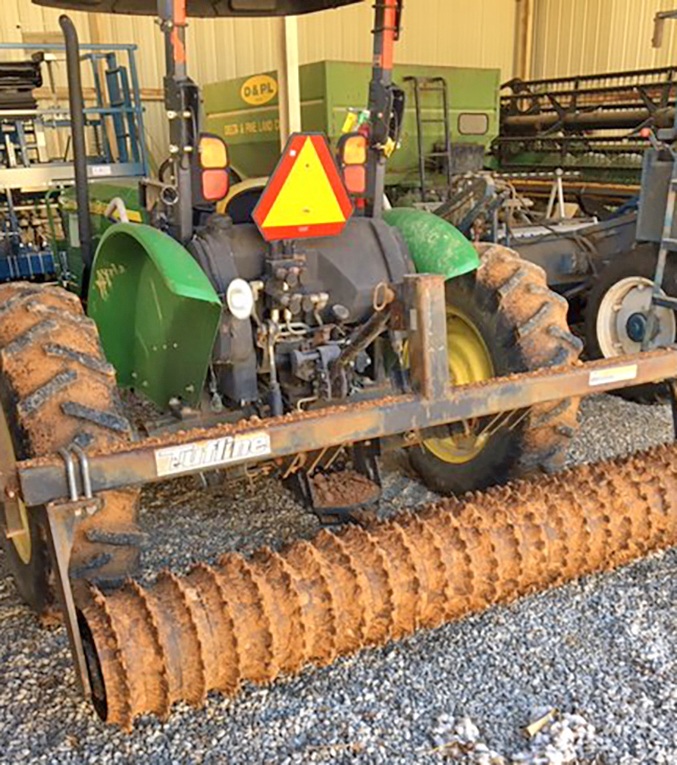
x=502, y=319
x=56, y=389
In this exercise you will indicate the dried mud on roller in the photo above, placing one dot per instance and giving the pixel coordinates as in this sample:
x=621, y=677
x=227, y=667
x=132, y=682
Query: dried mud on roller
x=255, y=619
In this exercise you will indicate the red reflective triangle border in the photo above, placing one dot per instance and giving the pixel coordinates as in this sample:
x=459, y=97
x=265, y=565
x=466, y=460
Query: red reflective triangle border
x=278, y=179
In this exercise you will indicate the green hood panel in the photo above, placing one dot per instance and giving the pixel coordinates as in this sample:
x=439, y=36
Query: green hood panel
x=156, y=311
x=435, y=246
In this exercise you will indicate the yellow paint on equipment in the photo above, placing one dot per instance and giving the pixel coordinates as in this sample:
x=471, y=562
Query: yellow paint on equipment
x=469, y=362
x=258, y=90
x=97, y=207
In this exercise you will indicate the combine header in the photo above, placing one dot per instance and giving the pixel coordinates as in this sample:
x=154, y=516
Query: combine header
x=304, y=346
x=589, y=124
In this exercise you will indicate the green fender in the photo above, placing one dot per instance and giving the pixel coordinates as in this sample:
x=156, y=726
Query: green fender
x=435, y=246
x=156, y=311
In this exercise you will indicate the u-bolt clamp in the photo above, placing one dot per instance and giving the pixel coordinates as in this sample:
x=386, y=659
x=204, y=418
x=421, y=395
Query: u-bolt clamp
x=69, y=455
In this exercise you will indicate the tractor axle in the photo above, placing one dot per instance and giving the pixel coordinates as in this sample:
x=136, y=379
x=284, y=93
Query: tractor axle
x=269, y=615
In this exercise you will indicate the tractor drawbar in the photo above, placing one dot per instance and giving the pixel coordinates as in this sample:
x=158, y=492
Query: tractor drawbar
x=255, y=619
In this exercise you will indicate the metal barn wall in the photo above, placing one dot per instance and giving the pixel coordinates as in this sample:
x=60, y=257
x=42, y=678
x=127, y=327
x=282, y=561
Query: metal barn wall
x=451, y=32
x=584, y=36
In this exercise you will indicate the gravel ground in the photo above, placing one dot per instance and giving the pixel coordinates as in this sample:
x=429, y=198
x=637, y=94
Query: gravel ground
x=602, y=650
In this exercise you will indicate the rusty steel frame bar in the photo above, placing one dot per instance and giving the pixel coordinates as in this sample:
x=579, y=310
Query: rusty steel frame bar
x=434, y=402
x=424, y=295
x=44, y=480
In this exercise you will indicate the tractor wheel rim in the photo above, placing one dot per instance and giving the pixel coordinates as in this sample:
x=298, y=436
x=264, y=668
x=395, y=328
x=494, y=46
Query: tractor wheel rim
x=621, y=304
x=469, y=362
x=21, y=539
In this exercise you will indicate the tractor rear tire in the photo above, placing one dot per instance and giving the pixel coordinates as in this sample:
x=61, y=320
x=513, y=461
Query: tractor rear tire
x=523, y=327
x=56, y=389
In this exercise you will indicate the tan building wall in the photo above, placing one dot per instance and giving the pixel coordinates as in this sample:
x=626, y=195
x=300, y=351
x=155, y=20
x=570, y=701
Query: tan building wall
x=446, y=32
x=585, y=36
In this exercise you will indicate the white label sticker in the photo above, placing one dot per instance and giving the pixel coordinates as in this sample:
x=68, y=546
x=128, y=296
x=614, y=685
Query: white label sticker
x=613, y=375
x=99, y=170
x=204, y=455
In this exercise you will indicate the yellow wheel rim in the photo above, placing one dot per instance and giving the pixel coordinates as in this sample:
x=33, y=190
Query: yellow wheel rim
x=469, y=362
x=22, y=539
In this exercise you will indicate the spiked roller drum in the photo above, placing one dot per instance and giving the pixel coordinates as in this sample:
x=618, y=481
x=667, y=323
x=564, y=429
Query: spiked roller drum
x=255, y=619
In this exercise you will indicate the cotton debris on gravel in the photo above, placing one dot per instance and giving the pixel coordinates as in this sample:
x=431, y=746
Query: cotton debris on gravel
x=602, y=650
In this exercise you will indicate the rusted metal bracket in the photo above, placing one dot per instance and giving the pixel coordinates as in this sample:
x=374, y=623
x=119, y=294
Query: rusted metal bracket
x=61, y=524
x=62, y=521
x=427, y=320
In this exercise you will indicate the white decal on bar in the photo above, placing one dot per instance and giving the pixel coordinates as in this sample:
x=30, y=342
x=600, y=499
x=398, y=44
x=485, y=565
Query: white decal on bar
x=205, y=455
x=613, y=375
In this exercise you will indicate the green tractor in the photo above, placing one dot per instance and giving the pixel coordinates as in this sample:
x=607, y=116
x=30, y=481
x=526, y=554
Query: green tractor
x=300, y=346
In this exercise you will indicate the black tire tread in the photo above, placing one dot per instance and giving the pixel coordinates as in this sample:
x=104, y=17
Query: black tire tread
x=542, y=339
x=524, y=327
x=61, y=391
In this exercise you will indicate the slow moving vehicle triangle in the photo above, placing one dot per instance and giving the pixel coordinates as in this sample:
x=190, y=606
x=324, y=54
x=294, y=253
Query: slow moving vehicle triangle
x=305, y=197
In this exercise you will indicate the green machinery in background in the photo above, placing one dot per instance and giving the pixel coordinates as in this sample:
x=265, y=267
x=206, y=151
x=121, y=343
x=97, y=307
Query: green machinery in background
x=245, y=112
x=588, y=124
x=110, y=202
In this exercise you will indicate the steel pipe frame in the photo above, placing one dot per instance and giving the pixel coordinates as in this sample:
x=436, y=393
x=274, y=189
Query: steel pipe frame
x=44, y=480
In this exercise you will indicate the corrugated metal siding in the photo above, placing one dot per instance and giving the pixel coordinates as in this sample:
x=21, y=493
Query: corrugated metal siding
x=445, y=32
x=585, y=36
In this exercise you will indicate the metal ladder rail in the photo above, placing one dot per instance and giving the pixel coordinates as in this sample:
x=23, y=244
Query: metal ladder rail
x=431, y=85
x=129, y=113
x=98, y=124
x=138, y=136
x=419, y=134
x=118, y=96
x=447, y=129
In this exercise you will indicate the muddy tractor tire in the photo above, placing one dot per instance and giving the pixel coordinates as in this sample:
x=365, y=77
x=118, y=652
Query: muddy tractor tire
x=615, y=314
x=56, y=389
x=502, y=319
